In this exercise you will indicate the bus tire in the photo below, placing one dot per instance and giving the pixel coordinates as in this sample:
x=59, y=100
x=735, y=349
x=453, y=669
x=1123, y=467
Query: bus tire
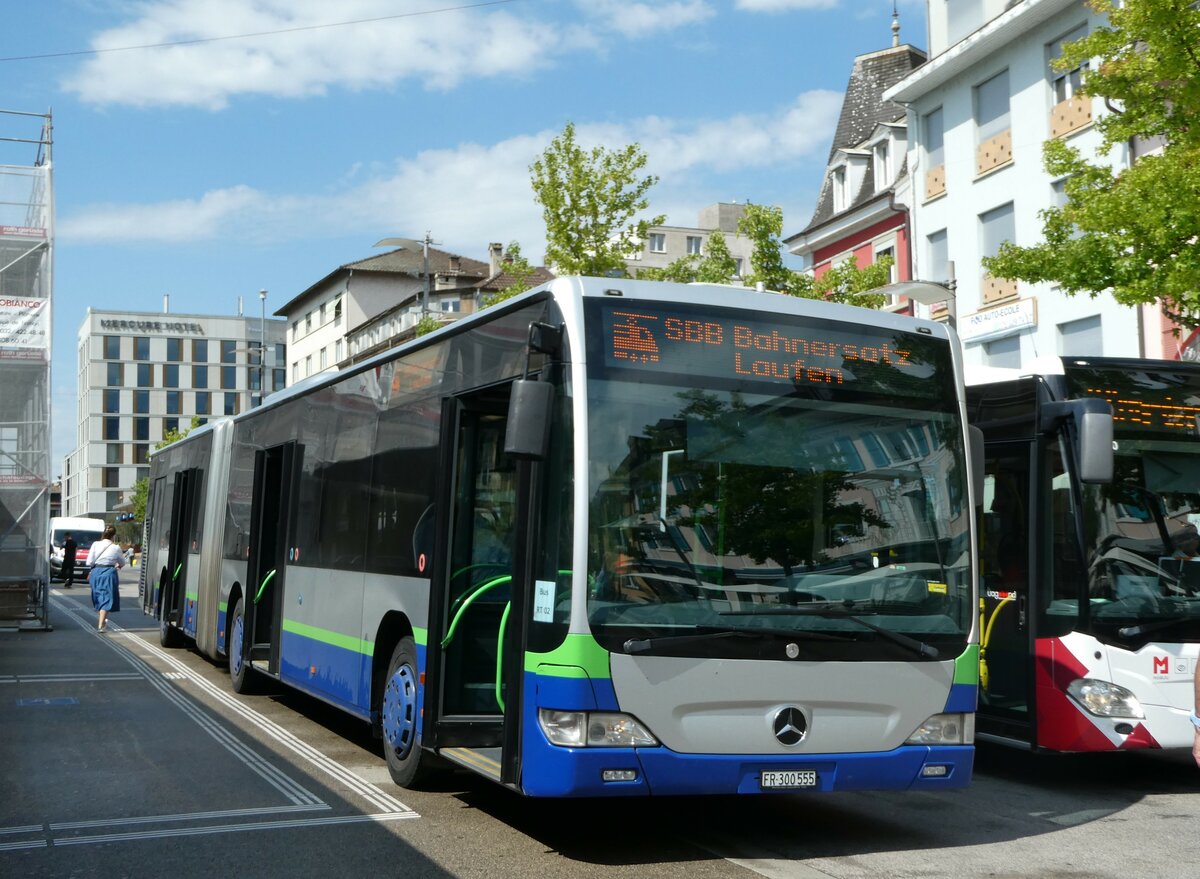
x=168, y=635
x=399, y=718
x=241, y=676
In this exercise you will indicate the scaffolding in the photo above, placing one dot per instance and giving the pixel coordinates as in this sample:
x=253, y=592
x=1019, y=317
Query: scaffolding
x=26, y=284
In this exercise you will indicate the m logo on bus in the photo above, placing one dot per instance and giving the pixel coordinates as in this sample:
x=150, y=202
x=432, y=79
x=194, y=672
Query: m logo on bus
x=790, y=726
x=1162, y=665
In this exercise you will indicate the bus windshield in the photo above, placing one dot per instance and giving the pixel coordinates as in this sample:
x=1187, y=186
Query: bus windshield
x=735, y=516
x=1141, y=529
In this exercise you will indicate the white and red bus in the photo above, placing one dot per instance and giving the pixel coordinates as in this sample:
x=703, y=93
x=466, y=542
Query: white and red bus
x=1090, y=623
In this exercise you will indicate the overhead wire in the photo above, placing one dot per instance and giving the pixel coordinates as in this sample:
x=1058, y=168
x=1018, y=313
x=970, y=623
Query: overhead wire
x=247, y=36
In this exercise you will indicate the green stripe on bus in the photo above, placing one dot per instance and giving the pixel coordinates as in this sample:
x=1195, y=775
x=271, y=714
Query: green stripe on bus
x=577, y=652
x=191, y=596
x=966, y=667
x=325, y=636
x=223, y=606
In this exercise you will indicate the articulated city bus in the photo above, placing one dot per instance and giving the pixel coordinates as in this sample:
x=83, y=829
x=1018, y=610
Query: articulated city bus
x=1091, y=569
x=608, y=538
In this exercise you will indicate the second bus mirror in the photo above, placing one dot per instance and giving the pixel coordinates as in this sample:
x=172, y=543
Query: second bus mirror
x=530, y=409
x=1095, y=445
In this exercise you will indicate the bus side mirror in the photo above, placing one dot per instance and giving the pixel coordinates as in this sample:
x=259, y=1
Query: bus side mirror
x=975, y=450
x=1093, y=434
x=527, y=434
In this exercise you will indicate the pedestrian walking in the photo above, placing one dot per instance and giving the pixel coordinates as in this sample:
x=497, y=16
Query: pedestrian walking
x=68, y=562
x=104, y=558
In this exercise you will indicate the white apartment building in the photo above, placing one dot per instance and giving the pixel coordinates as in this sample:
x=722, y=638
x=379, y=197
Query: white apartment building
x=363, y=304
x=978, y=113
x=666, y=244
x=141, y=375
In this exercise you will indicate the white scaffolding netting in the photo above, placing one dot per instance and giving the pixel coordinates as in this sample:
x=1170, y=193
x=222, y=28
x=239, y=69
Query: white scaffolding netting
x=26, y=265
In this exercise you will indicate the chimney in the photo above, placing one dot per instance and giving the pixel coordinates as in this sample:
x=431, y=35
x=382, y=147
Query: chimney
x=455, y=264
x=166, y=303
x=495, y=256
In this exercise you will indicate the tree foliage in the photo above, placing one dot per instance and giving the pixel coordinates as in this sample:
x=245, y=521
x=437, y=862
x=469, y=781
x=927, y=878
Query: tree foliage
x=763, y=225
x=516, y=265
x=1134, y=231
x=589, y=201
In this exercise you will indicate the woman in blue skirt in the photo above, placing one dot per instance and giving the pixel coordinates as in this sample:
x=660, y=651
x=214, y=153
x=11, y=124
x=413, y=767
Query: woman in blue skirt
x=104, y=558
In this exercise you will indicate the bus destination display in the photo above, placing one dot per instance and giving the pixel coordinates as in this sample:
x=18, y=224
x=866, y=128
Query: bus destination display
x=717, y=346
x=1154, y=403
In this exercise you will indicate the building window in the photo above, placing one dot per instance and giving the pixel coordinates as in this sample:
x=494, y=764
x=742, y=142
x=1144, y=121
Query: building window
x=112, y=428
x=116, y=374
x=324, y=357
x=170, y=375
x=114, y=453
x=252, y=378
x=737, y=266
x=280, y=379
x=228, y=377
x=141, y=429
x=203, y=400
x=888, y=252
x=337, y=351
x=112, y=477
x=112, y=347
x=840, y=188
x=228, y=351
x=1004, y=352
x=145, y=375
x=1081, y=338
x=658, y=242
x=174, y=402
x=321, y=316
x=992, y=124
x=935, y=154
x=1066, y=83
x=882, y=165
x=308, y=365
x=199, y=376
x=296, y=372
x=295, y=329
x=995, y=228
x=175, y=349
x=937, y=249
x=141, y=348
x=200, y=350
x=280, y=353
x=169, y=426
x=308, y=322
x=231, y=404
x=141, y=453
x=141, y=402
x=694, y=245
x=112, y=401
x=337, y=312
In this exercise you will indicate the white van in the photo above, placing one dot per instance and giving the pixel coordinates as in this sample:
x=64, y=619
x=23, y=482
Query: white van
x=85, y=531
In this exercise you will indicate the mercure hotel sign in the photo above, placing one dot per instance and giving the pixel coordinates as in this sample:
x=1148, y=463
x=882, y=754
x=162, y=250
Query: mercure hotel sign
x=115, y=325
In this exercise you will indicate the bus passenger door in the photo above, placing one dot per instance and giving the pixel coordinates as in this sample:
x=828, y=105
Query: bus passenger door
x=173, y=598
x=476, y=615
x=154, y=555
x=1006, y=649
x=275, y=474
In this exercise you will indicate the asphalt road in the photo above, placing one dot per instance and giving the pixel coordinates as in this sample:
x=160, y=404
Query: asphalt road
x=120, y=758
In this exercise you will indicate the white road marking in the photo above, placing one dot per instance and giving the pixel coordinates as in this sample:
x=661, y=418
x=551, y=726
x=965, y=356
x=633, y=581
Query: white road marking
x=236, y=828
x=184, y=816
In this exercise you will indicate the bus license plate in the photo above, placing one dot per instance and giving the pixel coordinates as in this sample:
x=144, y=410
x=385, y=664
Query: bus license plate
x=792, y=779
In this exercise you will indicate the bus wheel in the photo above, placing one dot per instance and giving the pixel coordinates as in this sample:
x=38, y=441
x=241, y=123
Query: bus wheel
x=241, y=676
x=400, y=717
x=168, y=635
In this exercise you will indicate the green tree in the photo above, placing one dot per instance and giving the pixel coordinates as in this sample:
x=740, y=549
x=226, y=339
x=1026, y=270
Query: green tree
x=1132, y=231
x=427, y=324
x=763, y=225
x=589, y=200
x=516, y=265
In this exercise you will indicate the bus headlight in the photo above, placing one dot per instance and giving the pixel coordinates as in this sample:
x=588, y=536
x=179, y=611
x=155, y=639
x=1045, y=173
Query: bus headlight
x=595, y=729
x=945, y=729
x=1104, y=699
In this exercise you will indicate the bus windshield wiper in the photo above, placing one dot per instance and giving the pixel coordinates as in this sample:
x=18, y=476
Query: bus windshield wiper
x=918, y=647
x=647, y=645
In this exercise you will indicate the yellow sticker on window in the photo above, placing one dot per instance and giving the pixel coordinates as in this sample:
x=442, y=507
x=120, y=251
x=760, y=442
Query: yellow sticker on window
x=939, y=588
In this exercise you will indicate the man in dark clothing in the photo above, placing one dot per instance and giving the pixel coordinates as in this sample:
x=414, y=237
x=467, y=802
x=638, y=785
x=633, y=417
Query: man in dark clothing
x=68, y=562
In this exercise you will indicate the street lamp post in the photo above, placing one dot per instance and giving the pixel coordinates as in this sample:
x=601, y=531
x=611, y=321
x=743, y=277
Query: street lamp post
x=262, y=347
x=929, y=293
x=414, y=244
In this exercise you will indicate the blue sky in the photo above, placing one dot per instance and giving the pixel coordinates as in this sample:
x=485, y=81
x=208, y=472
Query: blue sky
x=211, y=170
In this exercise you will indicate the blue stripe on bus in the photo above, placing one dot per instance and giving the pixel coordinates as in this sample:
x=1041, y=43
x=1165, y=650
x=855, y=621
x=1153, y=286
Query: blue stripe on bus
x=551, y=771
x=963, y=697
x=333, y=673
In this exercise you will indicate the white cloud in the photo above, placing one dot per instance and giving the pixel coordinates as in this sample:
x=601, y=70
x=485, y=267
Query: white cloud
x=309, y=56
x=492, y=179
